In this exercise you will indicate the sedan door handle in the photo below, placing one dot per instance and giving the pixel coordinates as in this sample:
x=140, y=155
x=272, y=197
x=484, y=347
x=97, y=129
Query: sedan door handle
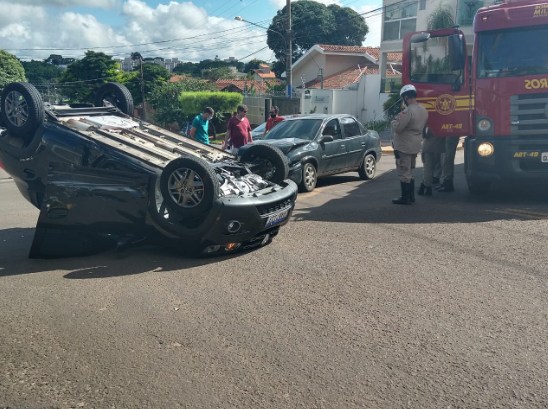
x=363, y=143
x=342, y=146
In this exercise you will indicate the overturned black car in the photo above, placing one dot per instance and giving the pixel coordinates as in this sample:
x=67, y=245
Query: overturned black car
x=98, y=174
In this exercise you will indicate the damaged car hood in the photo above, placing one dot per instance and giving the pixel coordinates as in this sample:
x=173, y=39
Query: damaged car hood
x=285, y=145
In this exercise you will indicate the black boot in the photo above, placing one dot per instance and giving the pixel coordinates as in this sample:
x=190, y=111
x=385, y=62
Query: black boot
x=435, y=181
x=446, y=187
x=422, y=187
x=412, y=191
x=405, y=198
x=428, y=191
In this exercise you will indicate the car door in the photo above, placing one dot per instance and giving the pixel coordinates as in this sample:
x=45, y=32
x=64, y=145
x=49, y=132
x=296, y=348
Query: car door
x=82, y=203
x=333, y=153
x=355, y=141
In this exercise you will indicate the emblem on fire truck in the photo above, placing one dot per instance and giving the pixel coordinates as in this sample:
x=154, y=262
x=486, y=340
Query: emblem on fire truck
x=445, y=104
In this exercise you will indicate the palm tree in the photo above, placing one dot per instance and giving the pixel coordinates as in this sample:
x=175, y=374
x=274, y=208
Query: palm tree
x=441, y=17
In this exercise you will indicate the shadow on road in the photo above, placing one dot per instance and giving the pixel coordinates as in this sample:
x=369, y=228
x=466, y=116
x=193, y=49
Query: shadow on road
x=15, y=245
x=370, y=202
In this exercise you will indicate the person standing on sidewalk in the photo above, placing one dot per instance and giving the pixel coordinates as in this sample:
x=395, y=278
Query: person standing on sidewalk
x=200, y=126
x=432, y=148
x=448, y=166
x=238, y=130
x=274, y=119
x=408, y=127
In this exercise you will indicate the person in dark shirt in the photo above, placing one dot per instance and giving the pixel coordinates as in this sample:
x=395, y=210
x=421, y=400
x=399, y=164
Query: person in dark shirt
x=238, y=131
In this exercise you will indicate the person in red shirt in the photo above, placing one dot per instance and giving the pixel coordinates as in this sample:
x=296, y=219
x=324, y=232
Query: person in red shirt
x=238, y=131
x=274, y=119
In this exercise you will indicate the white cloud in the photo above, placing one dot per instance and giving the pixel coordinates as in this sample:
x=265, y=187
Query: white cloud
x=107, y=4
x=198, y=35
x=280, y=4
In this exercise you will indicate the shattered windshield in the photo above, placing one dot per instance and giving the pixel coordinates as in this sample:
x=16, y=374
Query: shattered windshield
x=513, y=52
x=299, y=128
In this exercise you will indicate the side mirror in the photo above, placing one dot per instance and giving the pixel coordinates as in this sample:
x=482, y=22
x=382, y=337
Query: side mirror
x=326, y=138
x=457, y=54
x=420, y=38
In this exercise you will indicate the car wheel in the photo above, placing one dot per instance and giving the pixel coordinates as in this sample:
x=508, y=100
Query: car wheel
x=368, y=167
x=310, y=178
x=116, y=95
x=478, y=189
x=267, y=161
x=189, y=186
x=22, y=109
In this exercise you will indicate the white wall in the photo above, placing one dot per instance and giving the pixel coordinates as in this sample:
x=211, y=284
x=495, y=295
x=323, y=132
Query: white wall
x=365, y=102
x=308, y=69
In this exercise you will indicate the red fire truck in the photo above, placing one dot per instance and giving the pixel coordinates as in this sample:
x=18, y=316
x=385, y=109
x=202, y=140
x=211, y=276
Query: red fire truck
x=498, y=98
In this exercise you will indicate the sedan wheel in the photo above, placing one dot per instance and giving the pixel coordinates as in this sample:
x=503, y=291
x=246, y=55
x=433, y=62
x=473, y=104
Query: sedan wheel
x=368, y=168
x=310, y=177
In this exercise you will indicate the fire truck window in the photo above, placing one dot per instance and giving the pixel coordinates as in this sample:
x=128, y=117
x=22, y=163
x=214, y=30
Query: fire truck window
x=513, y=52
x=430, y=62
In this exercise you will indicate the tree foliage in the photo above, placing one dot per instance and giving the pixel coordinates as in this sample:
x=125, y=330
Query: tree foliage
x=441, y=17
x=11, y=69
x=195, y=69
x=85, y=76
x=165, y=100
x=392, y=106
x=38, y=72
x=315, y=23
x=214, y=74
x=192, y=103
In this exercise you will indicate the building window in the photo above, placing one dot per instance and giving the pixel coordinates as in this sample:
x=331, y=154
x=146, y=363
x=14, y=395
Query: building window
x=423, y=5
x=399, y=18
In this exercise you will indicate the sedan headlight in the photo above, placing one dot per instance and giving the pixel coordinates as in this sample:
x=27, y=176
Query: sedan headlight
x=486, y=149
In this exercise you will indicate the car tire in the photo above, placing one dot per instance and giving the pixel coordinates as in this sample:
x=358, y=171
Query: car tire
x=478, y=189
x=189, y=186
x=115, y=94
x=22, y=109
x=310, y=178
x=368, y=167
x=268, y=162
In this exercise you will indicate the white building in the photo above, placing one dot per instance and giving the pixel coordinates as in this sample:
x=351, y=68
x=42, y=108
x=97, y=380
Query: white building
x=127, y=64
x=401, y=17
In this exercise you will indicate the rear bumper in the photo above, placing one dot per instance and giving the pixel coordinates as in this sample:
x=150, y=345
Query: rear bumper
x=514, y=159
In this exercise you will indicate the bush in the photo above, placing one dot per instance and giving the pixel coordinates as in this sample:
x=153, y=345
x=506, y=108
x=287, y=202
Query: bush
x=378, y=125
x=11, y=69
x=192, y=103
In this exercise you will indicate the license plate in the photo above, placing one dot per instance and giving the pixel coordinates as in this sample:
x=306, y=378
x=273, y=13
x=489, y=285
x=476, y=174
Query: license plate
x=277, y=217
x=544, y=157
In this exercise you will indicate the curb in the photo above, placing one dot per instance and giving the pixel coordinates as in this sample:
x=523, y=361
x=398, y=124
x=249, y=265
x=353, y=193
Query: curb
x=389, y=149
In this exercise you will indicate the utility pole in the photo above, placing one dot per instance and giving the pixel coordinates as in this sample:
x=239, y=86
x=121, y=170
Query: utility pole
x=143, y=89
x=289, y=63
x=321, y=76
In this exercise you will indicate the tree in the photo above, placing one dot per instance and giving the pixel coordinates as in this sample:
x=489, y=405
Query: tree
x=253, y=65
x=441, y=17
x=187, y=68
x=85, y=76
x=154, y=75
x=165, y=100
x=214, y=74
x=392, y=106
x=278, y=68
x=11, y=69
x=38, y=72
x=315, y=23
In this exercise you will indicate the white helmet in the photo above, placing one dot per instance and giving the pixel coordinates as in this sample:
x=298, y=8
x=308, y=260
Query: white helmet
x=407, y=88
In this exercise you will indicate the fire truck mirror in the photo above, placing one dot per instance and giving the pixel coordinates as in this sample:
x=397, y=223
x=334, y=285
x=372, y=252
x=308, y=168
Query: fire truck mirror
x=457, y=52
x=420, y=38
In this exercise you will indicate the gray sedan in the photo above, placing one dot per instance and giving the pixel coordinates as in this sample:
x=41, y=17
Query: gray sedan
x=322, y=145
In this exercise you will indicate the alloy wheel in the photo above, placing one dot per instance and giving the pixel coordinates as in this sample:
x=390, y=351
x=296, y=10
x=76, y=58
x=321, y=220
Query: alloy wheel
x=186, y=188
x=17, y=109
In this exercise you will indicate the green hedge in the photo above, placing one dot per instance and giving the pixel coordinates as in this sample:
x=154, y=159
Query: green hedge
x=195, y=102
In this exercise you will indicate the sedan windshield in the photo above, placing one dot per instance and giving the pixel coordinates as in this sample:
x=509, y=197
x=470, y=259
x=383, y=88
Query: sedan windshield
x=513, y=53
x=298, y=128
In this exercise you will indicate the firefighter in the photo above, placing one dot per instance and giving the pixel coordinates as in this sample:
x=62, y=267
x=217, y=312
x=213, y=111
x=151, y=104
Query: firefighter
x=407, y=128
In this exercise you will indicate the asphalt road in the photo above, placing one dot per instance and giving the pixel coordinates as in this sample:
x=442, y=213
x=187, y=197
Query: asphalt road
x=357, y=304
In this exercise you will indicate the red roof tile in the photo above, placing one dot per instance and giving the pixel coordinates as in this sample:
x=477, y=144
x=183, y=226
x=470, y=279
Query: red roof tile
x=240, y=85
x=347, y=77
x=267, y=76
x=374, y=52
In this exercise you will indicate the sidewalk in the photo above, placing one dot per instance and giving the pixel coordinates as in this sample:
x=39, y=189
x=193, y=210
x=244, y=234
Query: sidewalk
x=4, y=175
x=386, y=146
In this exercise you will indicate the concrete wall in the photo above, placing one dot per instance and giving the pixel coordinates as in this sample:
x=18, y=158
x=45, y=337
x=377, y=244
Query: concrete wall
x=338, y=63
x=308, y=69
x=364, y=102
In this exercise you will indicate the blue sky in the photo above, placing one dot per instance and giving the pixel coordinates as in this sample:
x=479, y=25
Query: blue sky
x=196, y=30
